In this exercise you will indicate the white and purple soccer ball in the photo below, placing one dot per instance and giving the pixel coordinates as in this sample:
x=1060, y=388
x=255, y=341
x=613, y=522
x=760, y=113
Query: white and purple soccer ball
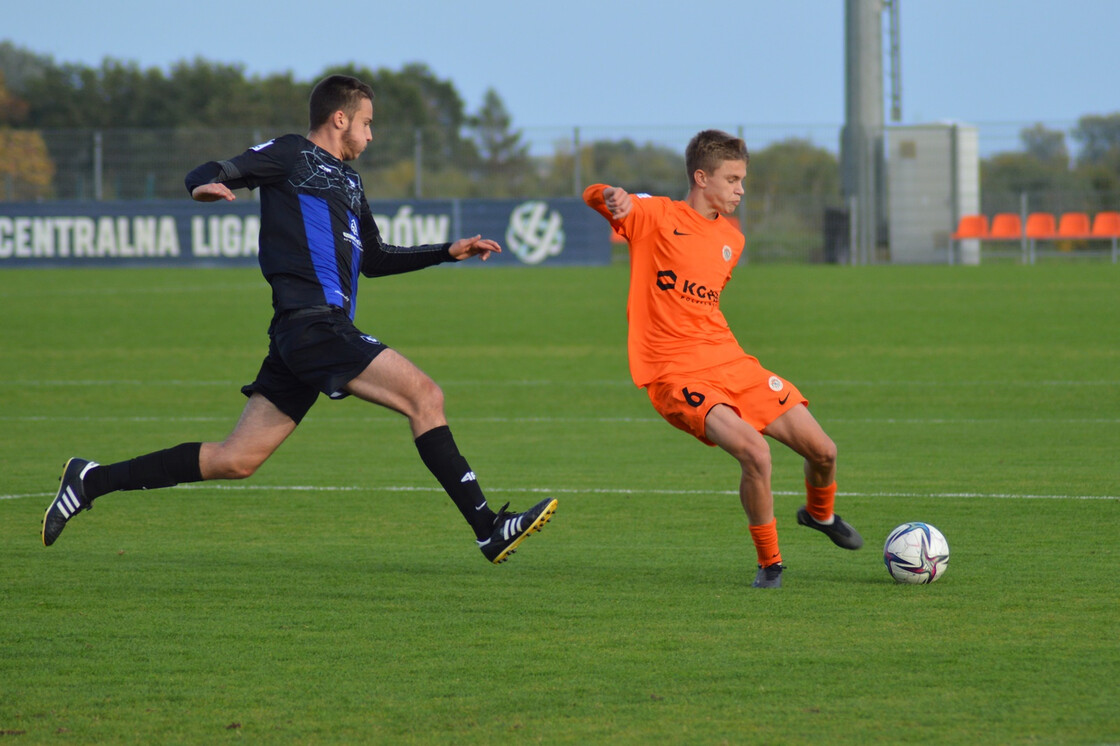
x=916, y=552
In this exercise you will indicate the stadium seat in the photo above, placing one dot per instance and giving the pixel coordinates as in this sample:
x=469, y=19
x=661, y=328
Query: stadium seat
x=1006, y=226
x=968, y=227
x=1041, y=227
x=971, y=226
x=1106, y=225
x=1073, y=225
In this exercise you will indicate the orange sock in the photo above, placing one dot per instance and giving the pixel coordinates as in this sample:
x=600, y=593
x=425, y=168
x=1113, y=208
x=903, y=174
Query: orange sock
x=766, y=543
x=820, y=500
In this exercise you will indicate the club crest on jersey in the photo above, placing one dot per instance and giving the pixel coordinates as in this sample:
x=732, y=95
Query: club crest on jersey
x=352, y=235
x=726, y=253
x=776, y=384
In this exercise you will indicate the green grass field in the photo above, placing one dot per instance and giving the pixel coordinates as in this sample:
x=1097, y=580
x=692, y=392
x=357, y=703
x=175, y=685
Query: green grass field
x=337, y=596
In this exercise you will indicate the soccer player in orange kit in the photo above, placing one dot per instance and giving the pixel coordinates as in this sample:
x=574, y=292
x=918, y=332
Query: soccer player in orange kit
x=684, y=354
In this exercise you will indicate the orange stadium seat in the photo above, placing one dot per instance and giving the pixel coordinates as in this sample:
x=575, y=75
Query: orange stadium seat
x=1073, y=225
x=1106, y=225
x=1006, y=226
x=968, y=227
x=1041, y=226
x=971, y=226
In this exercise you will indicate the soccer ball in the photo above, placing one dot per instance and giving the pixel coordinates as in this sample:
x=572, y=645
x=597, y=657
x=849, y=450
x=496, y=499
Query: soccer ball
x=916, y=553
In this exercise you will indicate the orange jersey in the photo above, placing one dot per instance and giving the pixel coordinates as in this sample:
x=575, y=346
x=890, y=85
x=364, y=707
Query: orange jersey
x=680, y=262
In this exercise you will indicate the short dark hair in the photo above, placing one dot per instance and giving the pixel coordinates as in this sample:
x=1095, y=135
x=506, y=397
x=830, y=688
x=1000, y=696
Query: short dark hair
x=336, y=93
x=708, y=149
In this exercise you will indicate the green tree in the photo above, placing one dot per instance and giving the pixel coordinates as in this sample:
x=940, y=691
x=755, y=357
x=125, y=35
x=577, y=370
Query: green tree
x=445, y=115
x=1017, y=172
x=649, y=167
x=281, y=101
x=65, y=96
x=13, y=109
x=1098, y=163
x=1045, y=145
x=789, y=185
x=1099, y=137
x=21, y=65
x=503, y=166
x=1041, y=171
x=195, y=93
x=209, y=94
x=410, y=101
x=412, y=109
x=794, y=167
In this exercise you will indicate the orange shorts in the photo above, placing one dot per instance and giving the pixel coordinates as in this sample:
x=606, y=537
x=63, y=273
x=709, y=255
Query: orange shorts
x=758, y=396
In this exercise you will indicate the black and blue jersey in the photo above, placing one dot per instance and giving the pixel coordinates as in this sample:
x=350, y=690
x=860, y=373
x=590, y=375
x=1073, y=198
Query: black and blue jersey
x=317, y=231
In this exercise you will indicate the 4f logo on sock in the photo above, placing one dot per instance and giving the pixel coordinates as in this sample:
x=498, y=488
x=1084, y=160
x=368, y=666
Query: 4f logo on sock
x=469, y=477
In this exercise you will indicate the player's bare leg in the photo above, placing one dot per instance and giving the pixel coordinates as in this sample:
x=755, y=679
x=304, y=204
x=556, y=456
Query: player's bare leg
x=728, y=431
x=260, y=430
x=798, y=429
x=393, y=381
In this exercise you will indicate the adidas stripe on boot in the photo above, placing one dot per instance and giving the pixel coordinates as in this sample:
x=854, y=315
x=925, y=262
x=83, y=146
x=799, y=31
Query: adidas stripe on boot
x=510, y=529
x=70, y=500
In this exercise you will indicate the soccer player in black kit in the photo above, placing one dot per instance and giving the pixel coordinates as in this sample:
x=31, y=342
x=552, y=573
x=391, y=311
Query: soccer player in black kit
x=317, y=234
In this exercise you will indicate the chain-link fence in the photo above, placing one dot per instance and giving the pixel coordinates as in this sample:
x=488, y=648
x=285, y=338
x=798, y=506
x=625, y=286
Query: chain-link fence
x=150, y=163
x=143, y=164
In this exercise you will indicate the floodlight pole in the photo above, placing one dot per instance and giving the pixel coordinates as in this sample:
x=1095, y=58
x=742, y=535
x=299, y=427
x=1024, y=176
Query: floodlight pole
x=577, y=164
x=98, y=168
x=418, y=162
x=861, y=148
x=896, y=60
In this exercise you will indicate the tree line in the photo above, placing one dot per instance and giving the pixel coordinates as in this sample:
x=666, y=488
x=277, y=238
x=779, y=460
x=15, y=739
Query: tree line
x=1056, y=181
x=422, y=120
x=461, y=153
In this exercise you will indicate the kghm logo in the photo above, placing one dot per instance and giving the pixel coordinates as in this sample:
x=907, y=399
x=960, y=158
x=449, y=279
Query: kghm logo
x=700, y=292
x=535, y=233
x=689, y=290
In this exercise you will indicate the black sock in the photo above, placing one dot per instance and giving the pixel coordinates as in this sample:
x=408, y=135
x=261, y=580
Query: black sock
x=165, y=468
x=440, y=454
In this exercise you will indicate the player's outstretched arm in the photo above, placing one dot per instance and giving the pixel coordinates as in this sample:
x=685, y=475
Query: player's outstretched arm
x=212, y=193
x=478, y=246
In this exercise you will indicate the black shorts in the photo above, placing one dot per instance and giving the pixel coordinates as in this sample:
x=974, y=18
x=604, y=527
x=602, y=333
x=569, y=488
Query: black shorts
x=311, y=351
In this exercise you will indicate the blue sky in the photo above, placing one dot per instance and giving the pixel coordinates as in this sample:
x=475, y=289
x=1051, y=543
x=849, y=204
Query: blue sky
x=655, y=69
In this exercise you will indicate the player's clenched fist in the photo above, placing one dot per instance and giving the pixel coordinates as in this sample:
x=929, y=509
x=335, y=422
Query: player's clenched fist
x=618, y=202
